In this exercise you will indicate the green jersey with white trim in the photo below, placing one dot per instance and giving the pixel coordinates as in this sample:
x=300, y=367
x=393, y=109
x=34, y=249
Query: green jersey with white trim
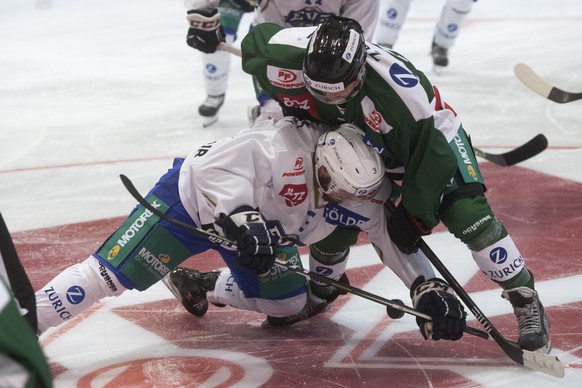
x=403, y=115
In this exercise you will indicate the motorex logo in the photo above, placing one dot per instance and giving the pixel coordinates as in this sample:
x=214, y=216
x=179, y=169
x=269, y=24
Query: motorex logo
x=337, y=215
x=402, y=76
x=75, y=294
x=498, y=255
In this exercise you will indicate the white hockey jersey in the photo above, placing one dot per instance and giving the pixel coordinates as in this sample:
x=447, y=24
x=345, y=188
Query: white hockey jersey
x=270, y=168
x=301, y=13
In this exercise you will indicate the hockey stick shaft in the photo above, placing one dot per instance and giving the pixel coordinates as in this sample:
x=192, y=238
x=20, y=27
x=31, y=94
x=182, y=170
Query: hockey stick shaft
x=228, y=48
x=536, y=83
x=538, y=361
x=223, y=241
x=525, y=151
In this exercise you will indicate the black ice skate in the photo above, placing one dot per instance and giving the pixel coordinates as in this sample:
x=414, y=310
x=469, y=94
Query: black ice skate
x=209, y=109
x=190, y=287
x=314, y=306
x=531, y=319
x=439, y=56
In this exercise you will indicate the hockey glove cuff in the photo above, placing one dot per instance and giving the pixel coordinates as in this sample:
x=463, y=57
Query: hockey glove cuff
x=205, y=32
x=435, y=297
x=405, y=230
x=256, y=245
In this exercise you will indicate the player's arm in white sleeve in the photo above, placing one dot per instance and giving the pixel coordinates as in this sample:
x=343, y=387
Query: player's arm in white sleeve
x=406, y=267
x=365, y=12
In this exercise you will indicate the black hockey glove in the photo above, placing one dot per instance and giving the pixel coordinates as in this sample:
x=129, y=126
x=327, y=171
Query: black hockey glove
x=406, y=230
x=205, y=32
x=256, y=245
x=434, y=297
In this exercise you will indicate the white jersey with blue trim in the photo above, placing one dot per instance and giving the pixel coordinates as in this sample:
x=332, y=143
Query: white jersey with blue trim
x=302, y=13
x=270, y=167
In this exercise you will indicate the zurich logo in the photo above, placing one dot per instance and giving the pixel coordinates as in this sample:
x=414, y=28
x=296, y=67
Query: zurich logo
x=75, y=295
x=498, y=255
x=402, y=76
x=323, y=271
x=211, y=68
x=392, y=13
x=452, y=27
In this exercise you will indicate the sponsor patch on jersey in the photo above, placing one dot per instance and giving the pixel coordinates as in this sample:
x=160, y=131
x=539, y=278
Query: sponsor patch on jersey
x=285, y=78
x=300, y=101
x=373, y=118
x=294, y=194
x=378, y=146
x=338, y=215
x=298, y=169
x=402, y=76
x=75, y=294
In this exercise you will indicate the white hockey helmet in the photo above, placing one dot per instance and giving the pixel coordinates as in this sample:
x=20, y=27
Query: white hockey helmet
x=345, y=167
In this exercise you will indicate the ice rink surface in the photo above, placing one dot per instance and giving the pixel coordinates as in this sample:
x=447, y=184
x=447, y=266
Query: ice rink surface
x=92, y=89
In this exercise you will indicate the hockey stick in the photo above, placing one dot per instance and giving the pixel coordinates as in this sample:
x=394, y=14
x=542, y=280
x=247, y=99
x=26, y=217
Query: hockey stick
x=536, y=83
x=217, y=239
x=538, y=361
x=525, y=151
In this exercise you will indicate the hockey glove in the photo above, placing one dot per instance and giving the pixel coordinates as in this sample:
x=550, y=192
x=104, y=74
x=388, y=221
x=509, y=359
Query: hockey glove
x=434, y=297
x=256, y=245
x=406, y=230
x=205, y=32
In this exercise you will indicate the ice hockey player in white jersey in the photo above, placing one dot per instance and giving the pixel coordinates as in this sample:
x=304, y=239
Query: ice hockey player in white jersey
x=393, y=15
x=257, y=189
x=213, y=21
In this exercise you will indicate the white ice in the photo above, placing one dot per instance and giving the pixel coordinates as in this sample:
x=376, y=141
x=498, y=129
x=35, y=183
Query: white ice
x=91, y=89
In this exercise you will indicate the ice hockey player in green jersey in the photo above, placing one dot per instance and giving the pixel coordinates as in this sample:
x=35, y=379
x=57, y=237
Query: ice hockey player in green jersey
x=331, y=74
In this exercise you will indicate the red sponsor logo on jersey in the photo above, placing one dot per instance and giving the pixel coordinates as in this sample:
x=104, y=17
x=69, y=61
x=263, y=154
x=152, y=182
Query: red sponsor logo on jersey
x=298, y=164
x=299, y=101
x=374, y=119
x=285, y=75
x=294, y=194
x=298, y=169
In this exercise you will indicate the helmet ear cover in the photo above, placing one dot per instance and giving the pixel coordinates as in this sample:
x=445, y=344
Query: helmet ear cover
x=345, y=166
x=335, y=58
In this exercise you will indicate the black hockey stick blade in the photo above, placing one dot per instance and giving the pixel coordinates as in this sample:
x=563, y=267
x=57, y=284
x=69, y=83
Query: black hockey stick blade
x=536, y=83
x=524, y=152
x=545, y=363
x=217, y=239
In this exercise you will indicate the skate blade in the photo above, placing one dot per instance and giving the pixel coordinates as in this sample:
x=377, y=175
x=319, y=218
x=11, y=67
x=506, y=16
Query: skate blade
x=208, y=121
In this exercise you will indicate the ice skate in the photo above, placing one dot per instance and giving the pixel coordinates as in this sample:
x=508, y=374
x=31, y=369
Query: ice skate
x=531, y=319
x=190, y=286
x=209, y=109
x=314, y=306
x=439, y=56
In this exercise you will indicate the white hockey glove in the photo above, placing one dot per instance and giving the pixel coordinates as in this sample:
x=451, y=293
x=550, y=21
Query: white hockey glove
x=256, y=245
x=205, y=32
x=435, y=297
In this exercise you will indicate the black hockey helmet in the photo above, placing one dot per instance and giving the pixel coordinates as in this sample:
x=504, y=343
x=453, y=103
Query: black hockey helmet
x=335, y=58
